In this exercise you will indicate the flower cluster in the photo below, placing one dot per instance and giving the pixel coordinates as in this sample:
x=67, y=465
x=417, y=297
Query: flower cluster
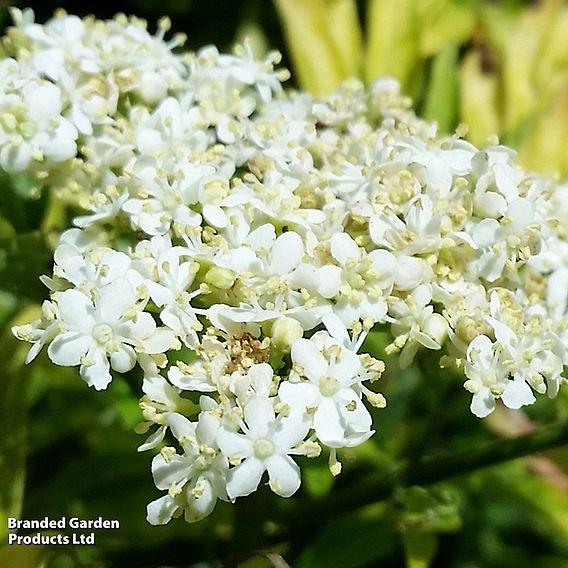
x=238, y=243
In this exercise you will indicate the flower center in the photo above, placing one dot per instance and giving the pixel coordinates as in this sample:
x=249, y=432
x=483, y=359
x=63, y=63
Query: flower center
x=263, y=448
x=102, y=333
x=328, y=386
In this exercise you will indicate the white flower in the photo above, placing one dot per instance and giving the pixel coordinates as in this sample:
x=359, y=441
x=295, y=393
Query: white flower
x=109, y=327
x=417, y=324
x=162, y=201
x=330, y=394
x=535, y=354
x=33, y=129
x=171, y=293
x=506, y=239
x=195, y=479
x=266, y=444
x=362, y=281
x=488, y=380
x=159, y=400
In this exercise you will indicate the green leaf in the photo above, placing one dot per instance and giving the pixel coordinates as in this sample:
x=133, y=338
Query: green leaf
x=324, y=40
x=479, y=90
x=23, y=556
x=419, y=548
x=443, y=23
x=442, y=93
x=393, y=46
x=13, y=417
x=317, y=478
x=423, y=514
x=6, y=229
x=23, y=259
x=433, y=510
x=351, y=541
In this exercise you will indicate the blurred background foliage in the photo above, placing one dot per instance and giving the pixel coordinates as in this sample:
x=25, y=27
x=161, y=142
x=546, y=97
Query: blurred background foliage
x=501, y=68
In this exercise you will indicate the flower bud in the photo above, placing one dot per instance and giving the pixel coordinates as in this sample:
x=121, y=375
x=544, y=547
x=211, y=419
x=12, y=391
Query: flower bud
x=285, y=331
x=221, y=278
x=436, y=327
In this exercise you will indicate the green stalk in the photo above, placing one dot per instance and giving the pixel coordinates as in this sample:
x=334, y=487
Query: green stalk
x=424, y=471
x=13, y=415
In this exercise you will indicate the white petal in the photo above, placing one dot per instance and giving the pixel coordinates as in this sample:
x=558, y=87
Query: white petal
x=283, y=474
x=482, y=403
x=286, y=253
x=505, y=182
x=44, y=102
x=489, y=204
x=166, y=472
x=459, y=160
x=504, y=334
x=115, y=300
x=158, y=389
x=181, y=426
x=376, y=309
x=215, y=216
x=153, y=440
x=201, y=506
x=521, y=212
x=385, y=264
x=16, y=158
x=261, y=378
x=160, y=294
x=336, y=329
x=330, y=278
x=76, y=309
x=290, y=431
x=148, y=140
x=346, y=369
x=299, y=396
x=305, y=276
x=96, y=375
x=234, y=445
x=184, y=382
x=160, y=511
x=328, y=422
x=208, y=428
x=259, y=415
x=438, y=175
x=517, y=394
x=159, y=342
x=410, y=272
x=358, y=420
x=124, y=359
x=68, y=348
x=306, y=354
x=486, y=232
x=244, y=479
x=491, y=266
x=141, y=328
x=483, y=348
x=344, y=247
x=262, y=237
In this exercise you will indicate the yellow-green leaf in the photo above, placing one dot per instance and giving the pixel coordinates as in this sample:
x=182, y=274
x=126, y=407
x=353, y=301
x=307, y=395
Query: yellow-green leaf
x=443, y=23
x=324, y=39
x=23, y=556
x=478, y=99
x=545, y=147
x=393, y=46
x=419, y=548
x=442, y=93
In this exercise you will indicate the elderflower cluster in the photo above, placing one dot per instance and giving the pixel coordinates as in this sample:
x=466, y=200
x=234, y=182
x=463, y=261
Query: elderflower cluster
x=237, y=243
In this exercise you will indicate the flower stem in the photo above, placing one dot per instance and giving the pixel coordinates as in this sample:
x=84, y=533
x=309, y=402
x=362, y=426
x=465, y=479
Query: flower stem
x=424, y=471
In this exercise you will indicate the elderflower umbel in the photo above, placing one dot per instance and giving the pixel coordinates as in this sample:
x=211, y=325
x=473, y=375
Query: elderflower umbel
x=239, y=242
